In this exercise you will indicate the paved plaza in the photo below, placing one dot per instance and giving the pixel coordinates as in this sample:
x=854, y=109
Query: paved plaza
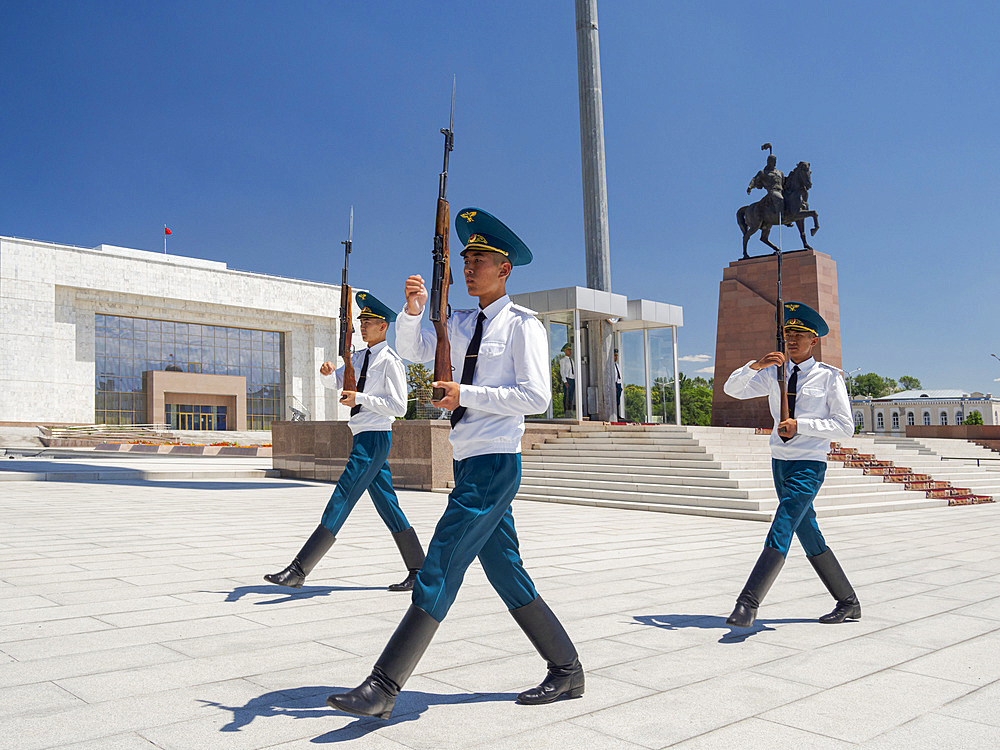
x=133, y=615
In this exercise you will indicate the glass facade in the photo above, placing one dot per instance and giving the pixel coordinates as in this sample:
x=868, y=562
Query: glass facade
x=127, y=347
x=193, y=417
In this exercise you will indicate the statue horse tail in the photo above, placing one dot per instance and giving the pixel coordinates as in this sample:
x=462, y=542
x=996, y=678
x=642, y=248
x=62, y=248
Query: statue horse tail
x=741, y=218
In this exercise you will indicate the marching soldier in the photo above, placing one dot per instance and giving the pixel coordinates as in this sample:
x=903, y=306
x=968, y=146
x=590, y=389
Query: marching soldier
x=380, y=398
x=501, y=352
x=819, y=411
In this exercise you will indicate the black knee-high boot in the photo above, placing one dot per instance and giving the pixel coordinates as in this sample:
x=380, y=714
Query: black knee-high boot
x=758, y=584
x=547, y=635
x=833, y=577
x=413, y=557
x=376, y=696
x=312, y=552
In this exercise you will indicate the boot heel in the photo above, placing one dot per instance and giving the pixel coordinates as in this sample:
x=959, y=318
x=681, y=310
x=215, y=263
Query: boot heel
x=575, y=692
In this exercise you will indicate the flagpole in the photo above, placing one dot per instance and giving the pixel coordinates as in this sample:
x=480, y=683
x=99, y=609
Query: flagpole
x=164, y=239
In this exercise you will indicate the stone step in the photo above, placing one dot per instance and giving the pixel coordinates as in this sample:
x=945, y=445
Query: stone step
x=718, y=498
x=656, y=508
x=748, y=515
x=529, y=457
x=111, y=474
x=570, y=469
x=623, y=439
x=748, y=488
x=586, y=455
x=577, y=449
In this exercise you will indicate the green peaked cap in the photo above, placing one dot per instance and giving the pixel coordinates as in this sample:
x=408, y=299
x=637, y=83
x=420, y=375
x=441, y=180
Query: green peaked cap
x=480, y=230
x=370, y=306
x=800, y=317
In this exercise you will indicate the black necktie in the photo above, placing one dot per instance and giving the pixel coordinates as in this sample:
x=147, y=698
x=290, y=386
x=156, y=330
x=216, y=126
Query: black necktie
x=793, y=384
x=469, y=369
x=361, y=381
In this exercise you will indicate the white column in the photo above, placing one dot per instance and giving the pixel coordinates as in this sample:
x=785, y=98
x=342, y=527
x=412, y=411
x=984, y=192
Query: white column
x=577, y=381
x=649, y=382
x=677, y=380
x=548, y=348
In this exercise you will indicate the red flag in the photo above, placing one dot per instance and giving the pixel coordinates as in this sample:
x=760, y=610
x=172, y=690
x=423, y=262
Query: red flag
x=166, y=231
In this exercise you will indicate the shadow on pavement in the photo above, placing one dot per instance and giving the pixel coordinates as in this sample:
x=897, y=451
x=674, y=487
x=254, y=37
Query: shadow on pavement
x=299, y=703
x=714, y=622
x=285, y=594
x=409, y=706
x=310, y=703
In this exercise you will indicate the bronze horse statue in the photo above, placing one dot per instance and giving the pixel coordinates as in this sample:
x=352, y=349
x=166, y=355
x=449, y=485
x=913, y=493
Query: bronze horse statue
x=761, y=216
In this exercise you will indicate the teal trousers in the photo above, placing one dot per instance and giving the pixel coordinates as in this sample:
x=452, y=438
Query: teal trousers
x=796, y=483
x=478, y=522
x=367, y=469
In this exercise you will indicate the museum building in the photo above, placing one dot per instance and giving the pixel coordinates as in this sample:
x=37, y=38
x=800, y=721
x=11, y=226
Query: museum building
x=921, y=407
x=117, y=336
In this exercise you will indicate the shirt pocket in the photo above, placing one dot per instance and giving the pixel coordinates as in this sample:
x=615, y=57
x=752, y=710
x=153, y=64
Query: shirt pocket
x=490, y=350
x=810, y=401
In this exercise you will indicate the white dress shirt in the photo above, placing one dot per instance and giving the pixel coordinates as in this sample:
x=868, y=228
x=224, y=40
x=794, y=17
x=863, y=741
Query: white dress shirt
x=822, y=409
x=512, y=376
x=384, y=397
x=566, y=368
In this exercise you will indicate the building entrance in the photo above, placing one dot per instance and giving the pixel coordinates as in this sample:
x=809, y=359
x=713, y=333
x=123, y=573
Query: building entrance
x=195, y=417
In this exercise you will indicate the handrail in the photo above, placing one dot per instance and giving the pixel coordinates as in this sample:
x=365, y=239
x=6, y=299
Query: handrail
x=977, y=459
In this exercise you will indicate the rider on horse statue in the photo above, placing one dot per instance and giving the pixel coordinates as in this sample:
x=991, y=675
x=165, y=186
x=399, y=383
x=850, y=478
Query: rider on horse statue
x=786, y=202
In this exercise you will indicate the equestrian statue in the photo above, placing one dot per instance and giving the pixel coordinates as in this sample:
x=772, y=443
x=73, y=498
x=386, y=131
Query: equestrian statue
x=786, y=202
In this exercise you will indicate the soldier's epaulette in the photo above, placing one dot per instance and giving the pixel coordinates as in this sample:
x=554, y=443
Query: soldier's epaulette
x=524, y=310
x=830, y=367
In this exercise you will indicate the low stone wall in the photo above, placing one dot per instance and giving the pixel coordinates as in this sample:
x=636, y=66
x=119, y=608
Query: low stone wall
x=420, y=458
x=956, y=431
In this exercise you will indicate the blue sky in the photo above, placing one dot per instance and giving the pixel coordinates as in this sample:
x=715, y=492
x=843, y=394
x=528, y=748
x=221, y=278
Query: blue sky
x=250, y=128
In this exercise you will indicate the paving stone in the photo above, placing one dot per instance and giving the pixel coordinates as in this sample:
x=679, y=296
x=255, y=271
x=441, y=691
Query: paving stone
x=980, y=705
x=934, y=731
x=146, y=624
x=975, y=661
x=757, y=734
x=841, y=662
x=674, y=715
x=861, y=710
x=938, y=631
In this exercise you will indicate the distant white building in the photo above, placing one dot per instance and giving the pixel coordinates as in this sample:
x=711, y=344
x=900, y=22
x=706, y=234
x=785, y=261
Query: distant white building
x=891, y=414
x=120, y=336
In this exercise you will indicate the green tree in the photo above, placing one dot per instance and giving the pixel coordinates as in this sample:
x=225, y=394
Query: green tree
x=909, y=383
x=974, y=418
x=635, y=403
x=557, y=388
x=696, y=400
x=873, y=385
x=418, y=383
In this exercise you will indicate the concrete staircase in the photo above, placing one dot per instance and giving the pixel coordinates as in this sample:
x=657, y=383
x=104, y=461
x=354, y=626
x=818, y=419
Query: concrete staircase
x=920, y=456
x=959, y=451
x=708, y=471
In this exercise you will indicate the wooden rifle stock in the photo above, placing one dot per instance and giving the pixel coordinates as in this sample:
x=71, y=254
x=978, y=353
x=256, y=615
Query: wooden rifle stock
x=346, y=336
x=439, y=298
x=782, y=385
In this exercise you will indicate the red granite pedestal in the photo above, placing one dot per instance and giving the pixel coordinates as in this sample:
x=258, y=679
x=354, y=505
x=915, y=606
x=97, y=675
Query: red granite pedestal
x=746, y=330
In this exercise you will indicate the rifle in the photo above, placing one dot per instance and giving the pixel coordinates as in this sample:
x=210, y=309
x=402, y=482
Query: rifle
x=346, y=323
x=441, y=278
x=782, y=385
